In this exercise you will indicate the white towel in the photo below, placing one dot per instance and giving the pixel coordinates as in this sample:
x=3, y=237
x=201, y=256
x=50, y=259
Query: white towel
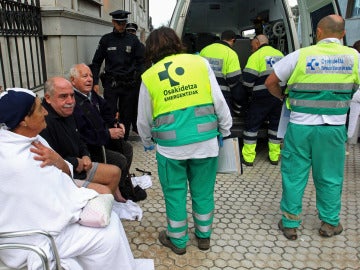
x=354, y=114
x=143, y=181
x=128, y=210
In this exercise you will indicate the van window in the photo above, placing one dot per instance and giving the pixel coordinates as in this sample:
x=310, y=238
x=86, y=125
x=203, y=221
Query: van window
x=249, y=33
x=206, y=20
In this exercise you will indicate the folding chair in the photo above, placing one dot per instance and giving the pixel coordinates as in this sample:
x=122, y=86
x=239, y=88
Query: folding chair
x=33, y=248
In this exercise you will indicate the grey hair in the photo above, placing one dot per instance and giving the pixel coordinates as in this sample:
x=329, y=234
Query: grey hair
x=74, y=72
x=49, y=86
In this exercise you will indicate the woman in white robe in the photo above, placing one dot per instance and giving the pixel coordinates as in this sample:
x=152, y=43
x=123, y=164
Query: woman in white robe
x=37, y=192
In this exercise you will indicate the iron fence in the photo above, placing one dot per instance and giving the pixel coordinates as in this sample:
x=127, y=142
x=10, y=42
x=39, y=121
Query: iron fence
x=22, y=56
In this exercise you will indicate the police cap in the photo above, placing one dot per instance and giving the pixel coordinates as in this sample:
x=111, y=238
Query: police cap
x=131, y=27
x=120, y=15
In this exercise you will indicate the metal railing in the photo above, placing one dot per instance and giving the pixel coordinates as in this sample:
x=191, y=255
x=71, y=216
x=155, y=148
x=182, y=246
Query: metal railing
x=22, y=56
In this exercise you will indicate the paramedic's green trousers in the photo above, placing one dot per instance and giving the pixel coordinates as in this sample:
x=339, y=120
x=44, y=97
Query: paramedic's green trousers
x=174, y=176
x=322, y=148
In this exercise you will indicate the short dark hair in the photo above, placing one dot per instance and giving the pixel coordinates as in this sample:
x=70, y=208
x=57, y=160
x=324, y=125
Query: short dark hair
x=228, y=35
x=356, y=45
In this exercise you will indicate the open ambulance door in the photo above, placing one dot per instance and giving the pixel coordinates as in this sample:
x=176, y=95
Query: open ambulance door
x=311, y=12
x=179, y=15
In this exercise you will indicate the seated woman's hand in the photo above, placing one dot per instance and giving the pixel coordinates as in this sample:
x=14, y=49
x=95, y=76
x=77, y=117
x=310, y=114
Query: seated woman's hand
x=49, y=157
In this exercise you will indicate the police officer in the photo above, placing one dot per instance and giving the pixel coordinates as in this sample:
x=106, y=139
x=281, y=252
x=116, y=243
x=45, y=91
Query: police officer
x=124, y=62
x=321, y=80
x=131, y=28
x=263, y=106
x=225, y=63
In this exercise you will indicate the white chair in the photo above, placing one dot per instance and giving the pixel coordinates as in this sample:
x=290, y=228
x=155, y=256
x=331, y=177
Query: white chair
x=39, y=251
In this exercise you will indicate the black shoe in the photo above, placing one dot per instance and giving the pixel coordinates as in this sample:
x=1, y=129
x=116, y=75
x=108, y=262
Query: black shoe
x=250, y=164
x=273, y=162
x=203, y=243
x=165, y=240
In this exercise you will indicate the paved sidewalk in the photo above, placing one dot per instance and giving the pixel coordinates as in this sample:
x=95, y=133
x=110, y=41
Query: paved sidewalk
x=245, y=233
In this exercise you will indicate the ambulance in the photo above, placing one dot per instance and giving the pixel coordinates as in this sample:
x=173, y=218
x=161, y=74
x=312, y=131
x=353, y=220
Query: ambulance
x=289, y=25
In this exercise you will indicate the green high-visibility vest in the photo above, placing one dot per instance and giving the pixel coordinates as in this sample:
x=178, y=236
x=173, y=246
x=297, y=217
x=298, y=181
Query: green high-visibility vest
x=324, y=79
x=224, y=61
x=183, y=110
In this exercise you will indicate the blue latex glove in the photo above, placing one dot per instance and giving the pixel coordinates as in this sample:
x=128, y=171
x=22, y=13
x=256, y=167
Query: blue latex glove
x=149, y=148
x=221, y=140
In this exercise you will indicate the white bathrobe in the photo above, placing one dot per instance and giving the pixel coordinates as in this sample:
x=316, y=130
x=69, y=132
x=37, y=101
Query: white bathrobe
x=32, y=197
x=354, y=114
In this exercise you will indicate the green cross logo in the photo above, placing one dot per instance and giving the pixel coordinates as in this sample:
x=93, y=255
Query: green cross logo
x=164, y=75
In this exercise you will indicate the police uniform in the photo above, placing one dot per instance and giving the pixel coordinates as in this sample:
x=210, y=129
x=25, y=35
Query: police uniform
x=263, y=105
x=131, y=27
x=124, y=63
x=321, y=80
x=226, y=65
x=177, y=105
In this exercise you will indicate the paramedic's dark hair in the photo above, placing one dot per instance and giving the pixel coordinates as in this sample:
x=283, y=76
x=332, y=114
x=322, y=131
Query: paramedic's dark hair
x=228, y=35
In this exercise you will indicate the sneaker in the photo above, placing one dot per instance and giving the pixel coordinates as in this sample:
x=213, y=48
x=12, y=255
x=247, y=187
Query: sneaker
x=203, y=243
x=165, y=241
x=289, y=233
x=327, y=230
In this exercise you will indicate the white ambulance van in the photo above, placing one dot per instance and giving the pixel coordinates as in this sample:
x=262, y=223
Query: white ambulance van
x=289, y=25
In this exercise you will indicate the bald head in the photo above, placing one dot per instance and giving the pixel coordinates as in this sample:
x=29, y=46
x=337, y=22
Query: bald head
x=257, y=41
x=331, y=26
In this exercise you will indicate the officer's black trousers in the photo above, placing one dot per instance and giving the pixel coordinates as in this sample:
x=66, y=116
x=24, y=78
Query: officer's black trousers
x=122, y=100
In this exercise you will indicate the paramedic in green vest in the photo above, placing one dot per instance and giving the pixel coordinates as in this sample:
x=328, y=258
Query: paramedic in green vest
x=263, y=106
x=182, y=110
x=321, y=80
x=226, y=65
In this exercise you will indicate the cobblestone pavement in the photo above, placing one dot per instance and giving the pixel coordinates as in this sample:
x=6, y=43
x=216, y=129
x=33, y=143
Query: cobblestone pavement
x=245, y=233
